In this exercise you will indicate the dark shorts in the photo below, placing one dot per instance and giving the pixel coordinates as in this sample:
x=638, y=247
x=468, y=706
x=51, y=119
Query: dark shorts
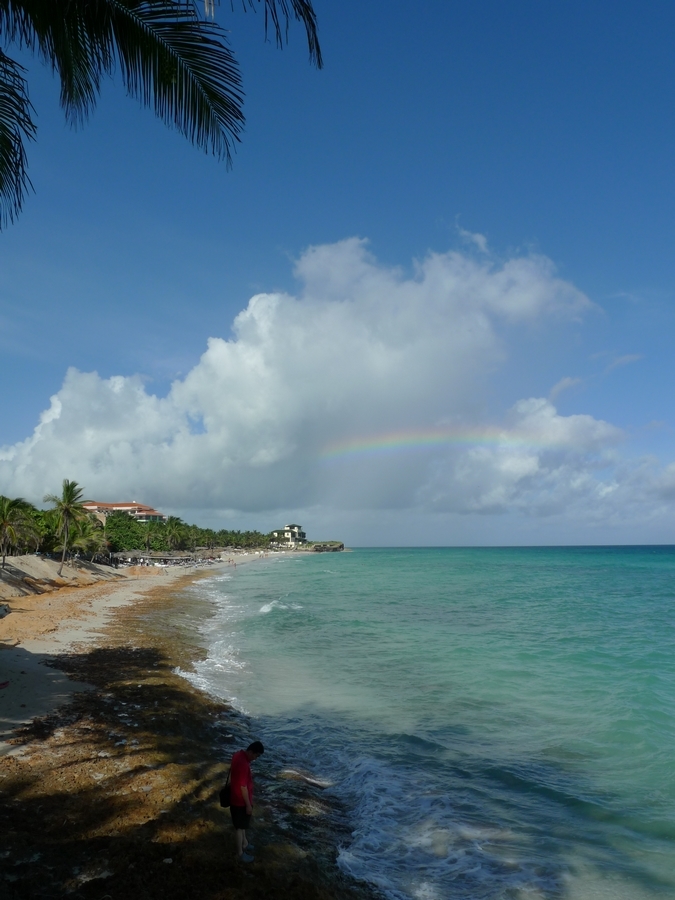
x=239, y=817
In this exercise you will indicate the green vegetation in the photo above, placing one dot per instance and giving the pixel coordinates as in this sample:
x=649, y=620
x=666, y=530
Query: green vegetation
x=169, y=54
x=322, y=546
x=123, y=532
x=69, y=516
x=15, y=524
x=67, y=528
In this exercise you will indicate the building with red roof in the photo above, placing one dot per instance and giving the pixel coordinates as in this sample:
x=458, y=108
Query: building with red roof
x=138, y=511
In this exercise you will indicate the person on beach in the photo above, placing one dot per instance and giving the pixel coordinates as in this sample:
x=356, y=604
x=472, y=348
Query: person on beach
x=241, y=796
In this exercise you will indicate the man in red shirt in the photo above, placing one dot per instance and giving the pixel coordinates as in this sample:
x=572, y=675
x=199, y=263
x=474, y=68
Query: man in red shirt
x=241, y=796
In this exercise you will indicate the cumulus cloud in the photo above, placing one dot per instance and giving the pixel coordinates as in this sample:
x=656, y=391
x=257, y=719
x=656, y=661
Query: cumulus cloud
x=361, y=350
x=543, y=464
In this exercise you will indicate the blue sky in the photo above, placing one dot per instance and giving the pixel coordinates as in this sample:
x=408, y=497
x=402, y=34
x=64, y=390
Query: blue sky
x=546, y=129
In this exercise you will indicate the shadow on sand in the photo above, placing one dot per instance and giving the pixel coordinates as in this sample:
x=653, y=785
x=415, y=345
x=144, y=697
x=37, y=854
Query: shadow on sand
x=115, y=796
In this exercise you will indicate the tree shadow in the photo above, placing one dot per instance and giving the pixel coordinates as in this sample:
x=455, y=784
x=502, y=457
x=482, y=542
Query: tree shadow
x=101, y=794
x=22, y=584
x=28, y=585
x=30, y=684
x=115, y=796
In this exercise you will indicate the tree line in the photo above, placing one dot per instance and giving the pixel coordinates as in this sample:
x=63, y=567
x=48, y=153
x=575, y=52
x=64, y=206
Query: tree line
x=67, y=528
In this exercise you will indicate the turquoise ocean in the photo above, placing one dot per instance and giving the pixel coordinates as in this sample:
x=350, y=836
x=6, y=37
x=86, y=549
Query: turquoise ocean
x=498, y=723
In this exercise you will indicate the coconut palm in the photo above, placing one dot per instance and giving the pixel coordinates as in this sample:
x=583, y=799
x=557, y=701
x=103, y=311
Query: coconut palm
x=174, y=532
x=40, y=528
x=170, y=56
x=192, y=536
x=68, y=508
x=15, y=524
x=87, y=535
x=150, y=531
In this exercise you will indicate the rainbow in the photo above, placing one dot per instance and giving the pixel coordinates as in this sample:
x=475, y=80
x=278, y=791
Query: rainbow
x=397, y=441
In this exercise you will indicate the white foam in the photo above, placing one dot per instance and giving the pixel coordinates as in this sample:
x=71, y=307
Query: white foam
x=319, y=782
x=426, y=891
x=277, y=604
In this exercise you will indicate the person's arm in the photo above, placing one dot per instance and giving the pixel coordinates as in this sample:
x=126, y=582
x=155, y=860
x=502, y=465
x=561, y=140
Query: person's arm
x=244, y=794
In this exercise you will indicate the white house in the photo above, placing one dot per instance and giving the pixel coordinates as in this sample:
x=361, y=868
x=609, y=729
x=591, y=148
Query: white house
x=289, y=536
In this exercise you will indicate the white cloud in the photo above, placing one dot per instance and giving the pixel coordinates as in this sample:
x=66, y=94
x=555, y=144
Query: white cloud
x=472, y=237
x=543, y=464
x=362, y=350
x=563, y=385
x=623, y=361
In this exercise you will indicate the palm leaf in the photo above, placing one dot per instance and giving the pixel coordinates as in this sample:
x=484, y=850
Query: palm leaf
x=169, y=58
x=60, y=31
x=16, y=125
x=302, y=11
x=180, y=64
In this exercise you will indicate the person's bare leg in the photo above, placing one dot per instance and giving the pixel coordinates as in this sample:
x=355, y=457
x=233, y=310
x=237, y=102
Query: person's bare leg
x=240, y=835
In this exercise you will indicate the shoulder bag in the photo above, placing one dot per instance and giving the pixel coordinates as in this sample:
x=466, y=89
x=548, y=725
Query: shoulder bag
x=225, y=793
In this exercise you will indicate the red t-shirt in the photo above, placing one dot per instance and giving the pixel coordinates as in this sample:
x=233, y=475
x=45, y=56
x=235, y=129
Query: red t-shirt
x=240, y=776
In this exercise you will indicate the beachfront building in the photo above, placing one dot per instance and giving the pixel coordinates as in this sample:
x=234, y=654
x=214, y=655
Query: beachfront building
x=138, y=511
x=289, y=536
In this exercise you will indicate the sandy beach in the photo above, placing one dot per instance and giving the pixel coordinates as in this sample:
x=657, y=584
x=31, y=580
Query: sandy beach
x=110, y=763
x=40, y=625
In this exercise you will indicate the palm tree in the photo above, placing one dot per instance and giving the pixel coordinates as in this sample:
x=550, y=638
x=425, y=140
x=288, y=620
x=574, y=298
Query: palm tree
x=192, y=536
x=170, y=57
x=87, y=535
x=150, y=531
x=174, y=531
x=68, y=508
x=39, y=527
x=15, y=523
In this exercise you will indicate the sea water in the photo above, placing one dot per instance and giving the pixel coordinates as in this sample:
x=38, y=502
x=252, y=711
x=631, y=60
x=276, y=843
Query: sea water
x=500, y=723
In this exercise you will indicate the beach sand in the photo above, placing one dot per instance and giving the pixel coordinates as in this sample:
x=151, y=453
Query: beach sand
x=110, y=762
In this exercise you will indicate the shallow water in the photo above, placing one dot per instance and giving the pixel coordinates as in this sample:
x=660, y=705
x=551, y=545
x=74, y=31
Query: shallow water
x=500, y=722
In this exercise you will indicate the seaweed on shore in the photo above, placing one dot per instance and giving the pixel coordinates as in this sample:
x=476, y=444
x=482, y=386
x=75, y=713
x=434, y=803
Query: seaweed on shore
x=115, y=794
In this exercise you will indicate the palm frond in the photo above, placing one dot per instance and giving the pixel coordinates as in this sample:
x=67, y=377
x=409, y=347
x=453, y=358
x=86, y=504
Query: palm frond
x=182, y=66
x=170, y=58
x=277, y=11
x=16, y=125
x=60, y=31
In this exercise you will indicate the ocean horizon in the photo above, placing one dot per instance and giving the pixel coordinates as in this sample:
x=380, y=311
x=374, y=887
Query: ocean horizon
x=495, y=722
